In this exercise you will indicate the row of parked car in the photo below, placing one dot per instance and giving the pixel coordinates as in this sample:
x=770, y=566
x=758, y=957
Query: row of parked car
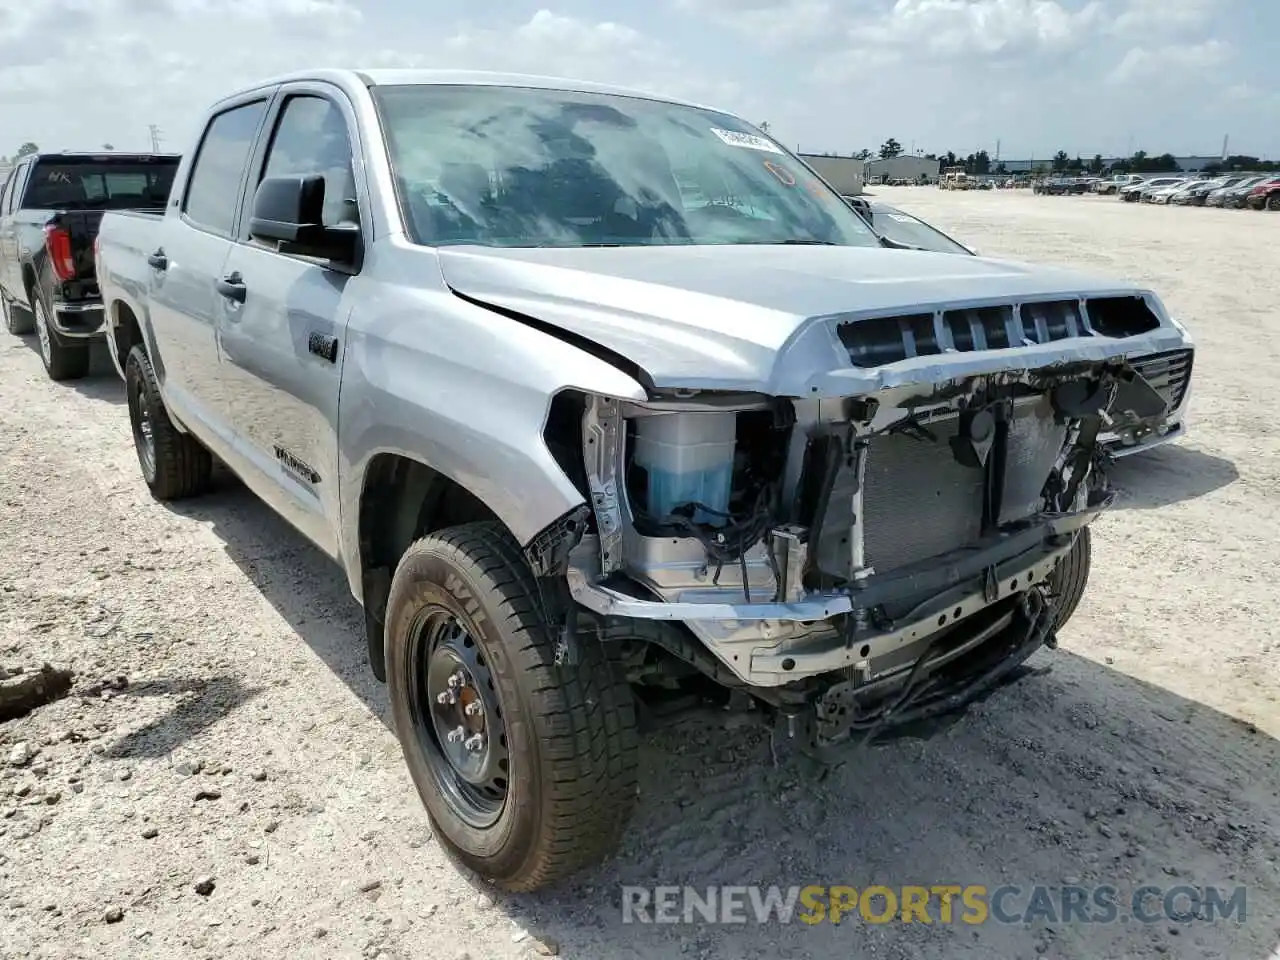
x=1256, y=191
x=1237, y=191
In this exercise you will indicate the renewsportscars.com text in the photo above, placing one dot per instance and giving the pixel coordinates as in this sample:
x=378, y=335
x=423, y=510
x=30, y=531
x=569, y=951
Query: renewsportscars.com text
x=938, y=903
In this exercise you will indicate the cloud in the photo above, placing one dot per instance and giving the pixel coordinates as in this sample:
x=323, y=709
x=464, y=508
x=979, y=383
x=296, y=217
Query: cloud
x=1175, y=62
x=550, y=43
x=952, y=28
x=1148, y=17
x=771, y=24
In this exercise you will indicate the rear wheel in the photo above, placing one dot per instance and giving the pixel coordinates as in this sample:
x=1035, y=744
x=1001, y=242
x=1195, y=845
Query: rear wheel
x=1071, y=576
x=527, y=769
x=62, y=361
x=17, y=321
x=174, y=464
x=1273, y=202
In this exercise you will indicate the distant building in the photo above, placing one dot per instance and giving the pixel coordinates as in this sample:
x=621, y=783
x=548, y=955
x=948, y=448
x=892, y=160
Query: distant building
x=904, y=167
x=843, y=173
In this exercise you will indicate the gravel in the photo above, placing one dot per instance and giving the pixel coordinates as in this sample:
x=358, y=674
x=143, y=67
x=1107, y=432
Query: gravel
x=1142, y=751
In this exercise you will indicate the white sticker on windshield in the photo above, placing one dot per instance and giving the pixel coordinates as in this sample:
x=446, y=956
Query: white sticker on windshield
x=748, y=140
x=902, y=218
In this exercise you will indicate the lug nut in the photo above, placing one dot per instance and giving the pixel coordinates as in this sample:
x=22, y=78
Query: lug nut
x=456, y=680
x=446, y=698
x=474, y=743
x=456, y=734
x=473, y=709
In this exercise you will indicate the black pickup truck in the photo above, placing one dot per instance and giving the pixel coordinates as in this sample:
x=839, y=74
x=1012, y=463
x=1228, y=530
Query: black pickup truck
x=50, y=208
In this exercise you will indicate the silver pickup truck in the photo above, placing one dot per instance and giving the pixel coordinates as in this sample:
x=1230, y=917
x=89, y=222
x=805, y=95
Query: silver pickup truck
x=595, y=395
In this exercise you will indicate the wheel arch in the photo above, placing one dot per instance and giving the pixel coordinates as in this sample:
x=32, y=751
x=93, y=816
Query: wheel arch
x=401, y=499
x=123, y=334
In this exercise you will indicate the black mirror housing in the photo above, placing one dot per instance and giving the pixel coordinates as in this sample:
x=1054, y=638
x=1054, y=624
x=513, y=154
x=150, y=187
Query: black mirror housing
x=290, y=211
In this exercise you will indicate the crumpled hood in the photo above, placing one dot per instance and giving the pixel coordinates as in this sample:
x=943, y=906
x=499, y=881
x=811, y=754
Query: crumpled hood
x=721, y=317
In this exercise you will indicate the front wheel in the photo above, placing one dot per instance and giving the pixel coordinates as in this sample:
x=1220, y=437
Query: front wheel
x=527, y=769
x=1273, y=202
x=62, y=361
x=173, y=463
x=1071, y=576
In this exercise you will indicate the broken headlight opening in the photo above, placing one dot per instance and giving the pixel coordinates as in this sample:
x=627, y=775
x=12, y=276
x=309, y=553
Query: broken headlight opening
x=809, y=545
x=733, y=459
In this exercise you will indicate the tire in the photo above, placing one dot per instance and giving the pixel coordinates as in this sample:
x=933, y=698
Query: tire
x=62, y=361
x=17, y=321
x=555, y=790
x=1071, y=576
x=1273, y=202
x=174, y=464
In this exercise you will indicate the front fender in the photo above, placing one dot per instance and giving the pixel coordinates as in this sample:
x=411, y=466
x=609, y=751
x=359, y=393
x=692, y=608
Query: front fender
x=465, y=392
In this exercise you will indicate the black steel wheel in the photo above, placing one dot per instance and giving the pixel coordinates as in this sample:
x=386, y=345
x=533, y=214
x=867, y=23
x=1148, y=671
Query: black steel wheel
x=458, y=719
x=174, y=464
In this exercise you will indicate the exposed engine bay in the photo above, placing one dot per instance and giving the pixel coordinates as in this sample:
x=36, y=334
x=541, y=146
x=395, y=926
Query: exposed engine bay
x=856, y=558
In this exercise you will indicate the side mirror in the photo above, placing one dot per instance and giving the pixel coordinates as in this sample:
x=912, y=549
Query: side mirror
x=290, y=211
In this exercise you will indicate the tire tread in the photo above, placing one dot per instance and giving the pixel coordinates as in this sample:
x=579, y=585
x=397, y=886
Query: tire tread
x=1072, y=576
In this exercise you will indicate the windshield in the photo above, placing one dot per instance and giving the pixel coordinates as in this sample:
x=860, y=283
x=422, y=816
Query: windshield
x=523, y=167
x=904, y=228
x=69, y=184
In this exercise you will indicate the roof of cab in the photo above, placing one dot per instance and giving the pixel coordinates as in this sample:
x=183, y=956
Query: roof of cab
x=348, y=78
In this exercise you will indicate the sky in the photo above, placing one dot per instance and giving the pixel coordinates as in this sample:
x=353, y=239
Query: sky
x=1031, y=76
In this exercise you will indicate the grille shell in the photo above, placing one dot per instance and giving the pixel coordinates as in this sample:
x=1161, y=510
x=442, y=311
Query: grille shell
x=875, y=341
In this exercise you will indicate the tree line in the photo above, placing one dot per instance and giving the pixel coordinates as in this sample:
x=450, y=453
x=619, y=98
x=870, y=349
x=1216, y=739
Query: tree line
x=29, y=148
x=980, y=163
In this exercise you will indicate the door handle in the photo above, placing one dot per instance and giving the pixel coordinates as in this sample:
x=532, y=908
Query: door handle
x=232, y=287
x=323, y=345
x=158, y=261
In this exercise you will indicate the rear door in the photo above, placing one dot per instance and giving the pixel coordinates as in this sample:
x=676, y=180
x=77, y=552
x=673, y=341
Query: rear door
x=193, y=241
x=282, y=343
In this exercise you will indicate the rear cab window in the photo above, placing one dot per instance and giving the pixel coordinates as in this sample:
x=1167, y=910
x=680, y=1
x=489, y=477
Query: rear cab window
x=99, y=183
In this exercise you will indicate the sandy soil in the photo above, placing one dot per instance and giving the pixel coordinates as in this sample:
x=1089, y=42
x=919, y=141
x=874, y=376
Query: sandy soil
x=224, y=730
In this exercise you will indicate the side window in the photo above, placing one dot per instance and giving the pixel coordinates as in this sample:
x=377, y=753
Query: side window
x=219, y=166
x=7, y=191
x=311, y=138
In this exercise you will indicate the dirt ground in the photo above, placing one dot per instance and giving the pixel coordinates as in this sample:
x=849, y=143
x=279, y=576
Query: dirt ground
x=222, y=782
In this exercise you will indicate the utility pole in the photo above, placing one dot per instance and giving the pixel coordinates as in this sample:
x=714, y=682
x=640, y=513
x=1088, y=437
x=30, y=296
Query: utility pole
x=155, y=137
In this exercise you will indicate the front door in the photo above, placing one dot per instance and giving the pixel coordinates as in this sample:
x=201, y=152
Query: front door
x=283, y=324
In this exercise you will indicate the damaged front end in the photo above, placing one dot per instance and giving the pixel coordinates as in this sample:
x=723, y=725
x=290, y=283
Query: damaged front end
x=873, y=557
